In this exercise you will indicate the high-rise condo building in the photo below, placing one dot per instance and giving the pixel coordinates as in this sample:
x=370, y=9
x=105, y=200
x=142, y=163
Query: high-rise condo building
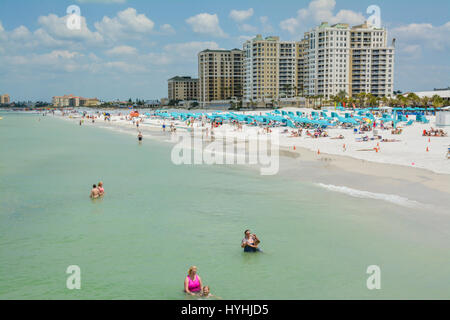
x=354, y=60
x=183, y=89
x=270, y=68
x=220, y=75
x=4, y=99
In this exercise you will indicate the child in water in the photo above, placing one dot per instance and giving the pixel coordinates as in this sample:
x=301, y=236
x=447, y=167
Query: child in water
x=206, y=292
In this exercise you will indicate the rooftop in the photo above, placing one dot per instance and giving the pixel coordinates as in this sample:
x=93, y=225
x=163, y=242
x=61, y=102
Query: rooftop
x=181, y=78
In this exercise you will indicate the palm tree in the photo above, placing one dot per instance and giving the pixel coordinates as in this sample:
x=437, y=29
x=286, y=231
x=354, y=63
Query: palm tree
x=361, y=98
x=437, y=101
x=402, y=101
x=413, y=99
x=372, y=100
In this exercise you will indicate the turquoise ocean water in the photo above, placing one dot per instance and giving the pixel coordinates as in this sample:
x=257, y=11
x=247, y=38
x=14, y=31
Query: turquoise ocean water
x=157, y=219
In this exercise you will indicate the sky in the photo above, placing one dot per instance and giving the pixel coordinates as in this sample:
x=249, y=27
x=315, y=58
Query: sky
x=129, y=48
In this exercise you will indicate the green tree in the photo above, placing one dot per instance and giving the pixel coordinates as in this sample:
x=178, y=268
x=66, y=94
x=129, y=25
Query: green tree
x=437, y=101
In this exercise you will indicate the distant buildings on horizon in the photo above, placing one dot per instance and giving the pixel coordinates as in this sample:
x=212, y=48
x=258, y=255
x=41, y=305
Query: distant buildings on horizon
x=5, y=99
x=328, y=60
x=73, y=101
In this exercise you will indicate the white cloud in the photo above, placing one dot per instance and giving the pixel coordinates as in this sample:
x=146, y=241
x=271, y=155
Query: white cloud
x=122, y=51
x=20, y=33
x=320, y=11
x=266, y=26
x=413, y=51
x=125, y=67
x=425, y=34
x=57, y=60
x=167, y=29
x=56, y=27
x=240, y=16
x=248, y=28
x=244, y=38
x=128, y=23
x=2, y=32
x=190, y=49
x=206, y=23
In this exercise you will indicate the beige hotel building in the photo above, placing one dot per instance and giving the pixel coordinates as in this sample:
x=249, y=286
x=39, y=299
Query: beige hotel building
x=220, y=75
x=271, y=69
x=73, y=101
x=4, y=99
x=183, y=89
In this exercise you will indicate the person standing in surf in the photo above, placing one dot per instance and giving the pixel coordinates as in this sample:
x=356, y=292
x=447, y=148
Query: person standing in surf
x=250, y=242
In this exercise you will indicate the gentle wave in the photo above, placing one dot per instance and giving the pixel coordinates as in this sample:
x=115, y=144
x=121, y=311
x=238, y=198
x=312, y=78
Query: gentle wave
x=401, y=201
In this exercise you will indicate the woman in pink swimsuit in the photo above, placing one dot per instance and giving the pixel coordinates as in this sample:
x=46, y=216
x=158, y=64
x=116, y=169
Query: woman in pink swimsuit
x=193, y=282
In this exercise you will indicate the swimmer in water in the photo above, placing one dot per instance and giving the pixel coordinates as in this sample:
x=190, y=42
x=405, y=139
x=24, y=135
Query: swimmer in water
x=95, y=193
x=206, y=292
x=193, y=283
x=140, y=137
x=250, y=242
x=101, y=190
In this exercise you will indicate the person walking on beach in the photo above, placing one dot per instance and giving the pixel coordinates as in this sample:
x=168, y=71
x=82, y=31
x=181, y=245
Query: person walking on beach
x=95, y=193
x=193, y=283
x=250, y=242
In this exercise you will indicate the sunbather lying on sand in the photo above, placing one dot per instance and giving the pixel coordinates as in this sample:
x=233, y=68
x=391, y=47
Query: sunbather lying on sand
x=338, y=138
x=390, y=140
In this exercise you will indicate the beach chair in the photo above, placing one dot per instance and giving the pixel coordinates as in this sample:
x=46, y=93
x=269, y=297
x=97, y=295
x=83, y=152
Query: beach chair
x=410, y=122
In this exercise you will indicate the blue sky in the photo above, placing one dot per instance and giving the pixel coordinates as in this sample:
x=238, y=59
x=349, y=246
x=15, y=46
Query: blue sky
x=129, y=48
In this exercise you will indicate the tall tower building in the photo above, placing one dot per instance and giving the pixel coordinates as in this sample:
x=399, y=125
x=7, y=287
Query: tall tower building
x=372, y=61
x=220, y=75
x=270, y=68
x=354, y=60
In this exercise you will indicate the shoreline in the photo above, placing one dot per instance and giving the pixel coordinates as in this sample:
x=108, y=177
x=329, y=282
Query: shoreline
x=436, y=181
x=374, y=174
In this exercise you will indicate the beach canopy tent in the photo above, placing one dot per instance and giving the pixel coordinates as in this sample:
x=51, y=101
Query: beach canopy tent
x=290, y=124
x=334, y=115
x=347, y=120
x=301, y=120
x=386, y=119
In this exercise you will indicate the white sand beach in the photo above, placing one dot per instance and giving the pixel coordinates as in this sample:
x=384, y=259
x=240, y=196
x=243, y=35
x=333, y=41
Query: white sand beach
x=412, y=149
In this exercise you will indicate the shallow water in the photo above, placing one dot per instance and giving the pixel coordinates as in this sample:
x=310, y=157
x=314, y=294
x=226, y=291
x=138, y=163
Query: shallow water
x=157, y=219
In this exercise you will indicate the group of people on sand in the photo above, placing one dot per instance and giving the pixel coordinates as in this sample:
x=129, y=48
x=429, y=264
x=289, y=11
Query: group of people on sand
x=434, y=133
x=193, y=284
x=97, y=191
x=318, y=133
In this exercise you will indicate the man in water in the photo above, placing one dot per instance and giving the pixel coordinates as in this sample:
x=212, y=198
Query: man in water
x=95, y=193
x=250, y=242
x=140, y=137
